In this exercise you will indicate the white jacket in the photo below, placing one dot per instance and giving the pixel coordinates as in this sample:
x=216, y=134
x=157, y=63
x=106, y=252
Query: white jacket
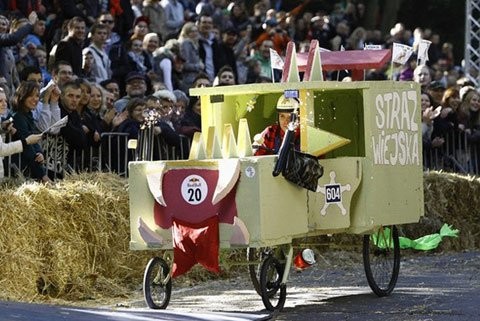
x=103, y=70
x=7, y=150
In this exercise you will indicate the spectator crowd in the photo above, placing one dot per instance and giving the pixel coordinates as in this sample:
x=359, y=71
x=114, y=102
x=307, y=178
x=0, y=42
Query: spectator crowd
x=105, y=63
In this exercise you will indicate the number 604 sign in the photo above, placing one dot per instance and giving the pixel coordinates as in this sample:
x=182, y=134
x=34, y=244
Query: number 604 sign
x=194, y=189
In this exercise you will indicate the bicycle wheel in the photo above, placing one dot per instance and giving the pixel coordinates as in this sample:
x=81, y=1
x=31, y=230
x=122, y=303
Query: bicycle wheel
x=157, y=284
x=254, y=255
x=273, y=292
x=381, y=260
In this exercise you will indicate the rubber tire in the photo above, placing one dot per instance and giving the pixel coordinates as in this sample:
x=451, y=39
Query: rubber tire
x=269, y=289
x=149, y=284
x=385, y=288
x=253, y=269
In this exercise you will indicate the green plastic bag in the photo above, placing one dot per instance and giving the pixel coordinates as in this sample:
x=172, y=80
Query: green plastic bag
x=424, y=243
x=429, y=242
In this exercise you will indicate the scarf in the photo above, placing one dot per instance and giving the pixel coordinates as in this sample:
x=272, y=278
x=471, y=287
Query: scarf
x=115, y=8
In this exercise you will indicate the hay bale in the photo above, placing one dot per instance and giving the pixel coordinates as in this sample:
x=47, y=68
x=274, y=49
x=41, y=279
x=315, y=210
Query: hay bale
x=69, y=240
x=453, y=199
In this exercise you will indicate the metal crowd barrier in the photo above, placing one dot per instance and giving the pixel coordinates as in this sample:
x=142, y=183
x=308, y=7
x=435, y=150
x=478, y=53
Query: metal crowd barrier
x=111, y=155
x=457, y=154
x=151, y=147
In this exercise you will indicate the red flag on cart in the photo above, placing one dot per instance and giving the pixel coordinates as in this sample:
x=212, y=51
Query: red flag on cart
x=195, y=243
x=189, y=210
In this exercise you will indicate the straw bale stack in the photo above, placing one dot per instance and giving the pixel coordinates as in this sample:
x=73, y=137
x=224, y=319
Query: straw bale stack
x=453, y=199
x=69, y=240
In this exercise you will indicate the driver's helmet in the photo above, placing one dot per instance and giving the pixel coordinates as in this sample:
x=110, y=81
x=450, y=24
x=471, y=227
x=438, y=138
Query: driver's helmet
x=287, y=105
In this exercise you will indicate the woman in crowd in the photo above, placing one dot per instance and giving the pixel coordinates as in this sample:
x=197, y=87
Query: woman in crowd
x=447, y=122
x=140, y=27
x=135, y=108
x=32, y=158
x=469, y=116
x=94, y=116
x=90, y=125
x=7, y=127
x=151, y=42
x=422, y=75
x=238, y=16
x=179, y=108
x=113, y=87
x=164, y=63
x=102, y=114
x=91, y=114
x=191, y=121
x=131, y=125
x=124, y=59
x=429, y=116
x=8, y=41
x=189, y=50
x=85, y=98
x=138, y=59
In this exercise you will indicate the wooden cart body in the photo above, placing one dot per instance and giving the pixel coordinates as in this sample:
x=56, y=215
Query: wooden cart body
x=375, y=179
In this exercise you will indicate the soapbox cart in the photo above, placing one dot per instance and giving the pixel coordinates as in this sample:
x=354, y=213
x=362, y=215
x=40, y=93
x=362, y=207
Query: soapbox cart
x=368, y=135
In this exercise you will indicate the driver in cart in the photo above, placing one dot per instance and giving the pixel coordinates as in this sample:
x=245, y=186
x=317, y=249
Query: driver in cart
x=269, y=141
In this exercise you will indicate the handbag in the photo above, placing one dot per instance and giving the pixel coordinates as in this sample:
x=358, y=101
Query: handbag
x=302, y=169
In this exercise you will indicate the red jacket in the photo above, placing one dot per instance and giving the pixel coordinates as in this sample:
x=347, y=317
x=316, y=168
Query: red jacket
x=273, y=137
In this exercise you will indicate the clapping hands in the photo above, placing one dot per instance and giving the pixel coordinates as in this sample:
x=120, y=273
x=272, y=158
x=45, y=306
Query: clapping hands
x=431, y=113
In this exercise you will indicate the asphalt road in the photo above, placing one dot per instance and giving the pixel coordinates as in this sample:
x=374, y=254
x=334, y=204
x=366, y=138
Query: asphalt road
x=431, y=287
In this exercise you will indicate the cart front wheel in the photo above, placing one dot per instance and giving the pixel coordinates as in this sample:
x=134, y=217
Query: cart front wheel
x=381, y=259
x=271, y=274
x=253, y=256
x=157, y=284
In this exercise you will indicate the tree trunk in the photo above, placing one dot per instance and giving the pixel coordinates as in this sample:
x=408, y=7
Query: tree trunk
x=371, y=15
x=389, y=15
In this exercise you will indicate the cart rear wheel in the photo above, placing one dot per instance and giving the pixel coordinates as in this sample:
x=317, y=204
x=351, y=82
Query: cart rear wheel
x=381, y=259
x=157, y=284
x=271, y=274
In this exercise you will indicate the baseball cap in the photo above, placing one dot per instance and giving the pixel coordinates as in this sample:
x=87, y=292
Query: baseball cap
x=133, y=75
x=436, y=85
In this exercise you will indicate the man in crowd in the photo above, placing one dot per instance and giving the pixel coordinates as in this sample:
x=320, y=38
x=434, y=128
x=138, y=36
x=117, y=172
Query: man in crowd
x=62, y=73
x=136, y=87
x=73, y=133
x=263, y=57
x=175, y=18
x=102, y=61
x=112, y=37
x=208, y=47
x=70, y=48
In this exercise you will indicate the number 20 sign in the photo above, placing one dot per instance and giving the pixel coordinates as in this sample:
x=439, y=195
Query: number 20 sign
x=194, y=189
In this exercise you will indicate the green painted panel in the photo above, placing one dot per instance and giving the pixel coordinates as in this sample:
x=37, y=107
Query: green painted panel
x=341, y=112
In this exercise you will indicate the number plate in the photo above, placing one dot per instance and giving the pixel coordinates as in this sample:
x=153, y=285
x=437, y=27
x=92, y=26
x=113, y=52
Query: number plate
x=333, y=193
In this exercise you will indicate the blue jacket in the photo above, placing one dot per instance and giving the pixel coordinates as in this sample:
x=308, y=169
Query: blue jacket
x=24, y=123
